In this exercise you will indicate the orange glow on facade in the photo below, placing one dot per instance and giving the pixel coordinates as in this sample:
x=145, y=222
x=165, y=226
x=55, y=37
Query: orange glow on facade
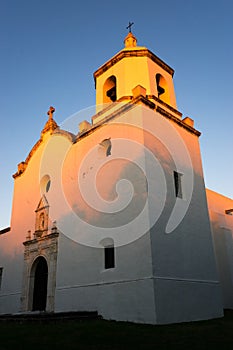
x=130, y=182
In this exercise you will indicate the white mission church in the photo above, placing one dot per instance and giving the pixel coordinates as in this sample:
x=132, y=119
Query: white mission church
x=115, y=218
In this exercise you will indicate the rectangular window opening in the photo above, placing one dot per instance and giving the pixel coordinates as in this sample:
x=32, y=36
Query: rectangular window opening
x=178, y=184
x=109, y=257
x=1, y=271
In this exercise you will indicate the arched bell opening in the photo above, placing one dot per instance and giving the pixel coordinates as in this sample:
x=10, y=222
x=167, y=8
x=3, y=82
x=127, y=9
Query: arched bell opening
x=109, y=90
x=162, y=88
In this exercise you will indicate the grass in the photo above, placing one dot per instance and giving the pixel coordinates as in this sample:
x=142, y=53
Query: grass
x=100, y=334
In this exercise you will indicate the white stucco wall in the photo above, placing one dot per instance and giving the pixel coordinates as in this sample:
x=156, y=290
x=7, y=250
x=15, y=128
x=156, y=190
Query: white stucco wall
x=122, y=293
x=183, y=260
x=222, y=232
x=158, y=277
x=186, y=281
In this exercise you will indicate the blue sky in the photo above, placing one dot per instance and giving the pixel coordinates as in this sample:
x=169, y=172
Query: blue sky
x=50, y=49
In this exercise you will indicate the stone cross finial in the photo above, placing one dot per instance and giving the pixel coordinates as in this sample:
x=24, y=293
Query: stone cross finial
x=50, y=112
x=129, y=26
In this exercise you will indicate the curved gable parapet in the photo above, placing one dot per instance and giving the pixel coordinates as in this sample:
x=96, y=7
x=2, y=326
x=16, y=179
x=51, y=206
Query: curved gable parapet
x=52, y=127
x=71, y=137
x=23, y=165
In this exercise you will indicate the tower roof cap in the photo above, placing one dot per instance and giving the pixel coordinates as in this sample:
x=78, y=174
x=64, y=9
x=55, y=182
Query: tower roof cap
x=130, y=40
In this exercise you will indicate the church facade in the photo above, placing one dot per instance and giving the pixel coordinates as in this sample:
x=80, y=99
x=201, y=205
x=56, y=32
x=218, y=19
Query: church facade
x=116, y=218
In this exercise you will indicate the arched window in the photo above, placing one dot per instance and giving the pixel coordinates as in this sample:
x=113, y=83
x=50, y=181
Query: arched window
x=109, y=90
x=105, y=148
x=45, y=184
x=162, y=88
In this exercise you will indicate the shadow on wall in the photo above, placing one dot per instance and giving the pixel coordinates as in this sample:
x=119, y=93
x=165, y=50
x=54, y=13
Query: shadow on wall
x=223, y=247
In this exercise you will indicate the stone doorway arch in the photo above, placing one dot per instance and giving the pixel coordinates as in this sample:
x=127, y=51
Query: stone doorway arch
x=39, y=279
x=39, y=274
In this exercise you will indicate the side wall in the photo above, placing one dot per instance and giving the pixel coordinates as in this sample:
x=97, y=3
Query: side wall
x=124, y=293
x=186, y=281
x=222, y=232
x=11, y=261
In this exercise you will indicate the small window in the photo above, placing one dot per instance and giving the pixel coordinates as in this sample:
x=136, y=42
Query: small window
x=109, y=257
x=45, y=184
x=48, y=186
x=1, y=271
x=178, y=184
x=105, y=148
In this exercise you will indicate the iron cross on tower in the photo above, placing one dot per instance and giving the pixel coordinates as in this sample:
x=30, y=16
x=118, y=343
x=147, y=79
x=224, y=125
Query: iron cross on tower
x=129, y=26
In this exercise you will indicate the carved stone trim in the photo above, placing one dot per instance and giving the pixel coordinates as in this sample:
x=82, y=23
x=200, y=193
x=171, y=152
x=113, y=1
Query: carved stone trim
x=46, y=246
x=51, y=125
x=39, y=239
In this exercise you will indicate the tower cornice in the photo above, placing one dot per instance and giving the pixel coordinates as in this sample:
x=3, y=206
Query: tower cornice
x=133, y=52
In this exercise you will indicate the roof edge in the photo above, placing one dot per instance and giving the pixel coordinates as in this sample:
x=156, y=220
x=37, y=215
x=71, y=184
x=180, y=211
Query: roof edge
x=137, y=52
x=22, y=166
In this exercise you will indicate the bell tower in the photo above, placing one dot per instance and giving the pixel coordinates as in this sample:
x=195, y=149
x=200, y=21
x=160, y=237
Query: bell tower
x=132, y=66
